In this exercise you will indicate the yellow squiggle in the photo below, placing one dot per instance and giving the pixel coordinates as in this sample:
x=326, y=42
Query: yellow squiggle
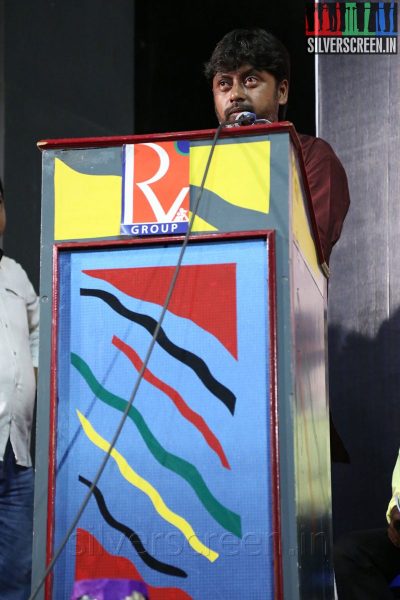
x=143, y=485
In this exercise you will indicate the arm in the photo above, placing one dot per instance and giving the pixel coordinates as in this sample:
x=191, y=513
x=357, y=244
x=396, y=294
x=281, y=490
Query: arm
x=392, y=514
x=32, y=309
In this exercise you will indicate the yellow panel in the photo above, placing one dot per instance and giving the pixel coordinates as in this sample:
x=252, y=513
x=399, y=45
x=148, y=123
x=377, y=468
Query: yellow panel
x=239, y=173
x=200, y=224
x=301, y=227
x=86, y=206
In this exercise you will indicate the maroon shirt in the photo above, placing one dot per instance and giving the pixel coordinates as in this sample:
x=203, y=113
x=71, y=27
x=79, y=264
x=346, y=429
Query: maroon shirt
x=329, y=189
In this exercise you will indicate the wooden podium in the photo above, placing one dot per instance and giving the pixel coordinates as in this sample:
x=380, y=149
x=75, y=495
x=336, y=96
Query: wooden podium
x=219, y=483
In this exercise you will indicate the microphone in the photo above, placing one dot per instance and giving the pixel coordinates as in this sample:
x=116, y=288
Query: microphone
x=247, y=118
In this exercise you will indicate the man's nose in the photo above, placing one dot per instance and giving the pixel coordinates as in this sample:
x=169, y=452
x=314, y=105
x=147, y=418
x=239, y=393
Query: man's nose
x=237, y=92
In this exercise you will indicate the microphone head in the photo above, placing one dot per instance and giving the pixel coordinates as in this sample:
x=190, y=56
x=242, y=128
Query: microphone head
x=245, y=118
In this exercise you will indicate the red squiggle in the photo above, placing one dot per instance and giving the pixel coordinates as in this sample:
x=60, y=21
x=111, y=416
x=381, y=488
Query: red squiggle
x=179, y=402
x=94, y=562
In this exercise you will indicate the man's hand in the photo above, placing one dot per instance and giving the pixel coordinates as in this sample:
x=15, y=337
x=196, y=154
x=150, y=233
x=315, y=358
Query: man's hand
x=394, y=527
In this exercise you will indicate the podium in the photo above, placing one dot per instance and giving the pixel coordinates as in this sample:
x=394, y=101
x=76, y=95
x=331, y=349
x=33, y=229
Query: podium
x=218, y=485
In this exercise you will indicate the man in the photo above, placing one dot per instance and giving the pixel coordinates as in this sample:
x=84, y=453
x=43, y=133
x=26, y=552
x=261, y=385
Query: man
x=367, y=561
x=19, y=338
x=250, y=71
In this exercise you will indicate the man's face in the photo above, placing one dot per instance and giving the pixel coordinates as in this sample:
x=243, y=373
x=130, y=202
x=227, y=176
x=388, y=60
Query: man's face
x=248, y=90
x=2, y=215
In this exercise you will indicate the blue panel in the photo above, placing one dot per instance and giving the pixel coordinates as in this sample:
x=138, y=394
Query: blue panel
x=87, y=324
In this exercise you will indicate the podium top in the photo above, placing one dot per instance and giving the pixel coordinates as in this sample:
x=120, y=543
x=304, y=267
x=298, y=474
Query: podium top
x=262, y=130
x=108, y=141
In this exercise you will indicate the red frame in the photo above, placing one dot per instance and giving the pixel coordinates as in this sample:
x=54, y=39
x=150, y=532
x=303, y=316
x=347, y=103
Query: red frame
x=269, y=235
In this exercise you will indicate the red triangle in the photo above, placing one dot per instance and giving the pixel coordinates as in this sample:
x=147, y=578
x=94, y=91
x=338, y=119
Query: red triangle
x=94, y=562
x=205, y=294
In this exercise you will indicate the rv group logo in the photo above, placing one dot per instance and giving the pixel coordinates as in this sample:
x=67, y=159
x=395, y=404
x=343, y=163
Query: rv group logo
x=351, y=27
x=156, y=188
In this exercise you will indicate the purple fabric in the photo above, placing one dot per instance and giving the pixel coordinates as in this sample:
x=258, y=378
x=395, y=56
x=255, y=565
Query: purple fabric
x=108, y=589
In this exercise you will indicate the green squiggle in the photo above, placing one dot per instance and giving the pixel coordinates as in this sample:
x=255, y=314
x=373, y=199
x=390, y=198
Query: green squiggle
x=225, y=517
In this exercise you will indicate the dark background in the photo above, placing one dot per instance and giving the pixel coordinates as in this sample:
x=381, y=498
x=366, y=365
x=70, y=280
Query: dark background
x=173, y=40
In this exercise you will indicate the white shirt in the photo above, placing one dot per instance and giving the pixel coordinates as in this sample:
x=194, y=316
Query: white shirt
x=19, y=348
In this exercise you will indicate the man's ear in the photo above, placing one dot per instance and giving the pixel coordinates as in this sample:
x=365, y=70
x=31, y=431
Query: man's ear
x=283, y=91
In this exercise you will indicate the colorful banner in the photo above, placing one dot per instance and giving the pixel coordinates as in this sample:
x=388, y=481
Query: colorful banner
x=184, y=504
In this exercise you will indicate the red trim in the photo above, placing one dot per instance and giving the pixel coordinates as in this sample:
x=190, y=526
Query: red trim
x=274, y=424
x=52, y=427
x=232, y=235
x=101, y=142
x=266, y=234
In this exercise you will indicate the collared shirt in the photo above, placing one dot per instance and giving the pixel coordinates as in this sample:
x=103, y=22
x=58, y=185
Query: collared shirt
x=395, y=487
x=19, y=348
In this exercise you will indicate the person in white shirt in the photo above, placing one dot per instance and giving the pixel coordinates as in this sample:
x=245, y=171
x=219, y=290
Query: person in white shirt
x=19, y=345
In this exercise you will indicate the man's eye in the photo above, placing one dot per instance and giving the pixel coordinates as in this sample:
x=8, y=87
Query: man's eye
x=251, y=80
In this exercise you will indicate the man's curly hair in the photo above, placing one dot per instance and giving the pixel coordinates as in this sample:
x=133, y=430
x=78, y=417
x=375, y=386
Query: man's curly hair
x=256, y=47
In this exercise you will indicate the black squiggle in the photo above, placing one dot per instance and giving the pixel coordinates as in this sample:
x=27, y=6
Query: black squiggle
x=185, y=356
x=133, y=537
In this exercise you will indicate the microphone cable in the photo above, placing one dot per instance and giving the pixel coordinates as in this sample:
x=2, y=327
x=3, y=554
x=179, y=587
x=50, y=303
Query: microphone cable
x=139, y=377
